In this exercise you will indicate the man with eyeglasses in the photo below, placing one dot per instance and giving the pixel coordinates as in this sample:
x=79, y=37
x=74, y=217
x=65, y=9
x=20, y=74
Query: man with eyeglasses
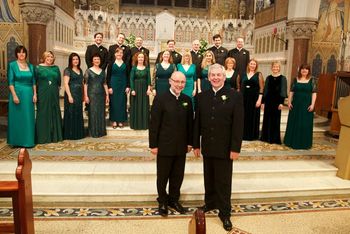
x=170, y=138
x=218, y=126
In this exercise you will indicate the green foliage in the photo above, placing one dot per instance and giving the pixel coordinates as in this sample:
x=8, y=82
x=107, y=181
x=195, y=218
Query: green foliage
x=130, y=40
x=203, y=47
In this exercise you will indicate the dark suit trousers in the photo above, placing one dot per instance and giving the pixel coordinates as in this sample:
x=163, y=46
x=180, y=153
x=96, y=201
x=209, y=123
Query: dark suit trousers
x=217, y=184
x=170, y=169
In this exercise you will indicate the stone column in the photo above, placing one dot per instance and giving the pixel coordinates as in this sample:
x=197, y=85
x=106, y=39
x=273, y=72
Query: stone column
x=37, y=15
x=300, y=31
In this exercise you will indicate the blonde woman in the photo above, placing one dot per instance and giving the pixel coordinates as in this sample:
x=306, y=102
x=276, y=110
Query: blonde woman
x=189, y=70
x=203, y=83
x=48, y=117
x=275, y=91
x=232, y=77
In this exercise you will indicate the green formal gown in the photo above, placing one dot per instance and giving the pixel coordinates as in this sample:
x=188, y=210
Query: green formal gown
x=191, y=77
x=117, y=104
x=97, y=105
x=139, y=104
x=205, y=84
x=73, y=123
x=48, y=117
x=300, y=120
x=21, y=117
x=162, y=77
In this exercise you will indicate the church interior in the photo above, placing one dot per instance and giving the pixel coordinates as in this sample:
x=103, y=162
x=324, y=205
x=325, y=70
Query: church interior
x=108, y=184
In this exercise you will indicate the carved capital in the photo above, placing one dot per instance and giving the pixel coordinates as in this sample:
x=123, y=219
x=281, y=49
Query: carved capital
x=37, y=13
x=301, y=29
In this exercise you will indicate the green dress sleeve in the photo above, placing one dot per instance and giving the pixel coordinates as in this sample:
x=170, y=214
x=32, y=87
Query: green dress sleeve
x=10, y=74
x=132, y=78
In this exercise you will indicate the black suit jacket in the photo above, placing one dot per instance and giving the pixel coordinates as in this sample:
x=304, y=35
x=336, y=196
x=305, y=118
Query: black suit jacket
x=242, y=59
x=171, y=124
x=197, y=60
x=220, y=54
x=219, y=121
x=126, y=55
x=92, y=50
x=175, y=55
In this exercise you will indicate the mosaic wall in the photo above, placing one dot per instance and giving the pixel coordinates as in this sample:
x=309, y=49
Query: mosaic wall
x=11, y=35
x=326, y=46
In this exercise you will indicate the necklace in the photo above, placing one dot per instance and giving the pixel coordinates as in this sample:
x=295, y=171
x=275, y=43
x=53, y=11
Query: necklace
x=22, y=65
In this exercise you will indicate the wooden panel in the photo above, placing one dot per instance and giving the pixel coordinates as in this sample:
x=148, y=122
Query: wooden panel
x=281, y=9
x=325, y=93
x=264, y=17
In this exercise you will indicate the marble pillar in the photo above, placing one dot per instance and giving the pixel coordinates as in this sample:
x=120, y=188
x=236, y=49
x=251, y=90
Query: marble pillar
x=300, y=31
x=37, y=14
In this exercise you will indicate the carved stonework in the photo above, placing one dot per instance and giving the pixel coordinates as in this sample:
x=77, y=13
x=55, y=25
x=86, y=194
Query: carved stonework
x=301, y=28
x=37, y=13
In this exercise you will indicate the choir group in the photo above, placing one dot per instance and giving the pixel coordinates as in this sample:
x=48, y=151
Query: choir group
x=118, y=73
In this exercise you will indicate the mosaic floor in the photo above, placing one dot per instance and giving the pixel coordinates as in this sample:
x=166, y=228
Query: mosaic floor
x=135, y=147
x=152, y=211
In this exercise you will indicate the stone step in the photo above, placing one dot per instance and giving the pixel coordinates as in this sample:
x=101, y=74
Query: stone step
x=136, y=181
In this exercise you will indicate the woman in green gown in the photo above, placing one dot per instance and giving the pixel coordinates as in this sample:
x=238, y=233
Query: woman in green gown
x=140, y=84
x=189, y=70
x=301, y=103
x=162, y=73
x=118, y=87
x=96, y=95
x=48, y=117
x=203, y=82
x=73, y=123
x=21, y=117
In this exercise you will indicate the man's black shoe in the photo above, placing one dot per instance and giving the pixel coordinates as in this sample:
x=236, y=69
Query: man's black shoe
x=178, y=207
x=226, y=223
x=206, y=208
x=163, y=210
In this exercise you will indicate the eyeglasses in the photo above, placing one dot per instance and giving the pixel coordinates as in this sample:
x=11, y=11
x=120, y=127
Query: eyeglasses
x=178, y=81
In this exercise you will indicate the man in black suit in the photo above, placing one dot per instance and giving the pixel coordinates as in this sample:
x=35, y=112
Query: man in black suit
x=241, y=56
x=139, y=48
x=126, y=49
x=170, y=138
x=175, y=55
x=196, y=56
x=220, y=52
x=97, y=48
x=219, y=121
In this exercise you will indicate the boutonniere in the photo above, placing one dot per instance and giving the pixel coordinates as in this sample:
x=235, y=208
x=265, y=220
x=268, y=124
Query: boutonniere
x=224, y=98
x=142, y=50
x=244, y=52
x=176, y=55
x=222, y=51
x=199, y=55
x=185, y=104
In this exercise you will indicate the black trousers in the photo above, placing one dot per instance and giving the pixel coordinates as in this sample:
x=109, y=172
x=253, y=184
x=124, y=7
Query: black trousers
x=217, y=184
x=170, y=169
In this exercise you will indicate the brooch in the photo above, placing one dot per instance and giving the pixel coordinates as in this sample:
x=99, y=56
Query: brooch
x=184, y=104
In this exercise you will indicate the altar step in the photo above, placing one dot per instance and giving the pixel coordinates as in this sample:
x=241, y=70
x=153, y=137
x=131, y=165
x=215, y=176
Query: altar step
x=64, y=181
